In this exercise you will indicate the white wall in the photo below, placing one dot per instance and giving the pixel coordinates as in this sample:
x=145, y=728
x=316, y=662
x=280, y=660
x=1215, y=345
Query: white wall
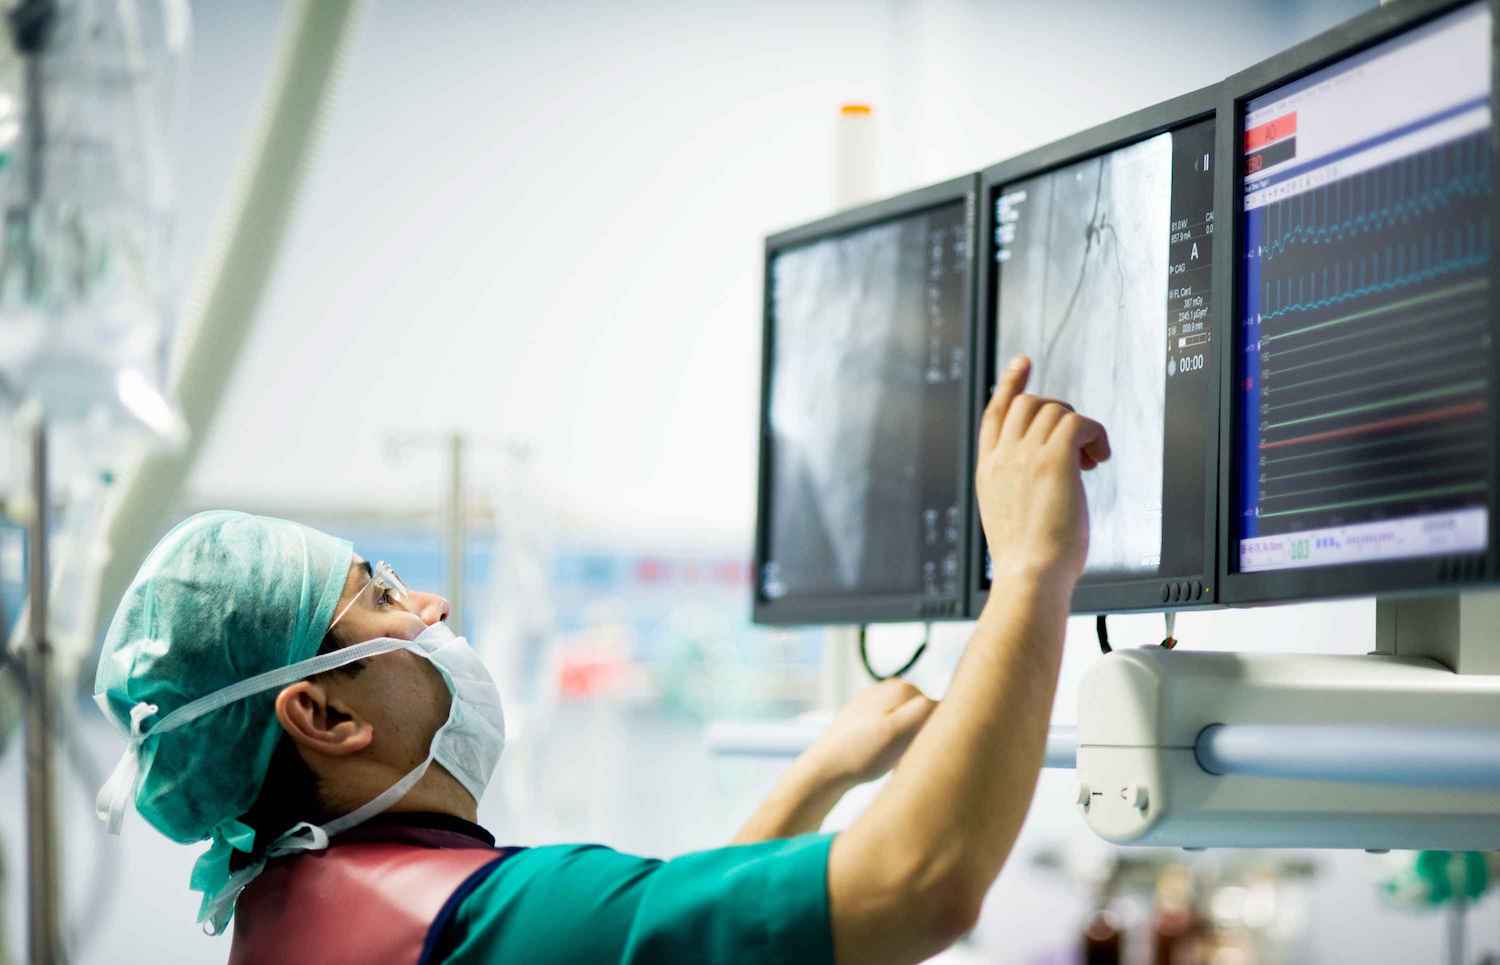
x=979, y=82
x=544, y=220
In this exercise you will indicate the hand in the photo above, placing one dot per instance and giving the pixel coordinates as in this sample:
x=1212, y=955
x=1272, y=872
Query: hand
x=1032, y=452
x=871, y=733
x=864, y=741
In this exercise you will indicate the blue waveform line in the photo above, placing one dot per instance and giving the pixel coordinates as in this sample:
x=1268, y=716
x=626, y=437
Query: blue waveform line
x=1426, y=202
x=1430, y=273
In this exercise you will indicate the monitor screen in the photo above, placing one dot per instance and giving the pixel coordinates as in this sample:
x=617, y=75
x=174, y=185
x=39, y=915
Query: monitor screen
x=1362, y=370
x=867, y=411
x=1102, y=275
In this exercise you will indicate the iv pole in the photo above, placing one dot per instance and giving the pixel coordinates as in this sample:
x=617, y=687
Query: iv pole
x=31, y=23
x=230, y=288
x=42, y=858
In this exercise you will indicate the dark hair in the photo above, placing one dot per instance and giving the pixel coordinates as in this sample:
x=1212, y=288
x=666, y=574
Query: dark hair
x=290, y=792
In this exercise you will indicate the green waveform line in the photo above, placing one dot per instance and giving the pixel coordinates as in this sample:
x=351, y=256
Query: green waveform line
x=1473, y=385
x=1373, y=500
x=1464, y=288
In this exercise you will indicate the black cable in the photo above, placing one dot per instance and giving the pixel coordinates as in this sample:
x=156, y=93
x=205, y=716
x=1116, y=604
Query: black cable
x=1168, y=642
x=864, y=655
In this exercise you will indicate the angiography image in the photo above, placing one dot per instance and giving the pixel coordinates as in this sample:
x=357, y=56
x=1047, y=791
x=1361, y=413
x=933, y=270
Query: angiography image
x=848, y=410
x=1082, y=289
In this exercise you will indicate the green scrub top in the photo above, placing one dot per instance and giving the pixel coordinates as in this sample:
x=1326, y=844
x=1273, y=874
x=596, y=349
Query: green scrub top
x=762, y=903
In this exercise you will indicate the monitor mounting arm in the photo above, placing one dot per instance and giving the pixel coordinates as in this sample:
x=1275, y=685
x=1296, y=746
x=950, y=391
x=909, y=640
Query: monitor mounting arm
x=1397, y=749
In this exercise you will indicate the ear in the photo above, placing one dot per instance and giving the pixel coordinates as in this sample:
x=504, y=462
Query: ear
x=318, y=722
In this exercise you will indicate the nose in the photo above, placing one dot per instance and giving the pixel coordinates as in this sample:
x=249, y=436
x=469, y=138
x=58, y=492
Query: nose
x=430, y=607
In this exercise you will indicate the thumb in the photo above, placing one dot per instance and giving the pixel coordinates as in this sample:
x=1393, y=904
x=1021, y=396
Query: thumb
x=911, y=715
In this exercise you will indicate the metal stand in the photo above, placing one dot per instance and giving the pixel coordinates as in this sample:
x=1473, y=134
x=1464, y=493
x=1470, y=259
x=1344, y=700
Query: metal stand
x=455, y=517
x=31, y=23
x=840, y=670
x=457, y=530
x=44, y=933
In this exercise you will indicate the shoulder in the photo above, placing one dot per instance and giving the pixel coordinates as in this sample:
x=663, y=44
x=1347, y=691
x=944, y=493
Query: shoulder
x=763, y=902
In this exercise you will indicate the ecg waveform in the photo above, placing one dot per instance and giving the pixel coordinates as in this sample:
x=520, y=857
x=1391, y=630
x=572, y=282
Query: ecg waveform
x=1373, y=341
x=1360, y=205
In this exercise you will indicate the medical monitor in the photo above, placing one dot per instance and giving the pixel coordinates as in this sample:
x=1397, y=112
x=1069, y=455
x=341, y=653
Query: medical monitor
x=864, y=490
x=1359, y=447
x=1097, y=261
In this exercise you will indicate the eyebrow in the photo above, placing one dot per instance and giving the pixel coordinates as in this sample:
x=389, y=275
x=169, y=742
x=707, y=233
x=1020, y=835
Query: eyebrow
x=369, y=575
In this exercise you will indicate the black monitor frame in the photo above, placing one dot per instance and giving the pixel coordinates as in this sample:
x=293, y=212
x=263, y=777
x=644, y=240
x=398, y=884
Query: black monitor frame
x=1154, y=593
x=1434, y=574
x=856, y=608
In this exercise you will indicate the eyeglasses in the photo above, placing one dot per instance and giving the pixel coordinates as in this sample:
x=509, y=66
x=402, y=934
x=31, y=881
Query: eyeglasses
x=388, y=589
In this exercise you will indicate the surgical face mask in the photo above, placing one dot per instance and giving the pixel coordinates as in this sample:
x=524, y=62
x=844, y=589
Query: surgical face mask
x=468, y=744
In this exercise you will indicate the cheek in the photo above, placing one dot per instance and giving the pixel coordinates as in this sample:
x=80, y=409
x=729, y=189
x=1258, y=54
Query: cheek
x=440, y=699
x=416, y=705
x=428, y=701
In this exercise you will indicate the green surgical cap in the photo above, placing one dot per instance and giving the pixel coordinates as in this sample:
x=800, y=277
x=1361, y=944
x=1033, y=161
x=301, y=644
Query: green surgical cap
x=224, y=596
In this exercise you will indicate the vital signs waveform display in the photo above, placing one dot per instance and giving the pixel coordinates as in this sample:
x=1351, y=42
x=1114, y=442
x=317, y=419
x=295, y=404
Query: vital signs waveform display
x=1365, y=328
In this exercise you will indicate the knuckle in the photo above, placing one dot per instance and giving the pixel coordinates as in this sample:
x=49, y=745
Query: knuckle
x=897, y=687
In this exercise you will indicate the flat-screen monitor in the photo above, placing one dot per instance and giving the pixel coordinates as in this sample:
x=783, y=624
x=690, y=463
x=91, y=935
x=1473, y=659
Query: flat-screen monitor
x=1098, y=263
x=1361, y=443
x=865, y=419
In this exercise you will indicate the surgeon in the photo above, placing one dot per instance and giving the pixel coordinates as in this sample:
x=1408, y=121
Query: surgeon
x=316, y=721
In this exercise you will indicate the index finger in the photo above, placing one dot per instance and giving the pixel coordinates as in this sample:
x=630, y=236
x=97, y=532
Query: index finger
x=1085, y=436
x=1098, y=449
x=1012, y=382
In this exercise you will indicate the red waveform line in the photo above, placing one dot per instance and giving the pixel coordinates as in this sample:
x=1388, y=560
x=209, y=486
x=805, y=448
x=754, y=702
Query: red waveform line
x=1399, y=422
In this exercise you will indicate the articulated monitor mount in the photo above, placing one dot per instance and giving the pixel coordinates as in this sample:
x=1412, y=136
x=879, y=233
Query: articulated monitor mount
x=1397, y=749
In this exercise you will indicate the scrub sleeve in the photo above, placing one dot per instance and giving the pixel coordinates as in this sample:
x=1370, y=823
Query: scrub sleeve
x=762, y=903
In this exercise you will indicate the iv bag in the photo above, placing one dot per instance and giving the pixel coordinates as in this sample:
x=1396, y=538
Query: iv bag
x=86, y=284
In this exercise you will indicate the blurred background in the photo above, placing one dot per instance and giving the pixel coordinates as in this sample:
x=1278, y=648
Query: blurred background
x=525, y=270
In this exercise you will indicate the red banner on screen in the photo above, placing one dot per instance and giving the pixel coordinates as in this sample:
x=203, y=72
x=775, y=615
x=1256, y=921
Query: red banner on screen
x=1259, y=137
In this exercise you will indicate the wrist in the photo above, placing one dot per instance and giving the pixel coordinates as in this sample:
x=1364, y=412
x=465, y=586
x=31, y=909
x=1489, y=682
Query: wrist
x=818, y=774
x=1046, y=585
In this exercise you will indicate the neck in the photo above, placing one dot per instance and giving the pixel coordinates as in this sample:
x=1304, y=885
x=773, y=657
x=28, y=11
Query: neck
x=345, y=789
x=445, y=796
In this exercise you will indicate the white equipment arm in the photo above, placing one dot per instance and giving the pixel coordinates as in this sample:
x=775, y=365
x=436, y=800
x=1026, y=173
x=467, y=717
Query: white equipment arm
x=1416, y=772
x=232, y=277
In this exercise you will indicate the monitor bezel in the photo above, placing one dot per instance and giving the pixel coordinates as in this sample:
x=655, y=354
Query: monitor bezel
x=1427, y=575
x=1153, y=593
x=863, y=608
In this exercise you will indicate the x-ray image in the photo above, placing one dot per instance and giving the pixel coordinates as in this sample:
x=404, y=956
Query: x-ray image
x=1082, y=289
x=851, y=406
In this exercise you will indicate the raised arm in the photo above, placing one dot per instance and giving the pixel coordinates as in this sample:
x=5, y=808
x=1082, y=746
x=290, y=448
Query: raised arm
x=909, y=876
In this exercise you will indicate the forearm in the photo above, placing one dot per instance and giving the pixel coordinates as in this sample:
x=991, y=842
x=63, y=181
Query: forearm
x=964, y=798
x=796, y=805
x=943, y=827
